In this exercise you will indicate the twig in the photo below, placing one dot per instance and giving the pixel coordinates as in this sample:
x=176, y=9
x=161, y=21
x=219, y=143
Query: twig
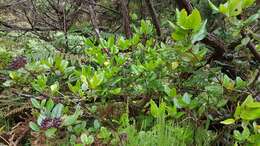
x=102, y=6
x=6, y=141
x=12, y=4
x=65, y=28
x=251, y=46
x=14, y=27
x=93, y=19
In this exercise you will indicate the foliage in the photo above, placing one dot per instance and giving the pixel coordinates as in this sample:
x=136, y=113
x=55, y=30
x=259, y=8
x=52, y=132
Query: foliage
x=144, y=90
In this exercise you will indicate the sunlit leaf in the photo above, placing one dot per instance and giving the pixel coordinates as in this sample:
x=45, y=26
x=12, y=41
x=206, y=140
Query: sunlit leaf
x=228, y=121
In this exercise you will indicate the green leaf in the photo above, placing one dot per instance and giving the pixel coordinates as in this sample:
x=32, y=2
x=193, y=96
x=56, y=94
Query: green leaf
x=247, y=3
x=40, y=118
x=171, y=92
x=70, y=120
x=234, y=7
x=104, y=133
x=174, y=65
x=154, y=109
x=35, y=103
x=96, y=80
x=213, y=7
x=34, y=126
x=83, y=78
x=245, y=41
x=254, y=139
x=96, y=124
x=57, y=111
x=115, y=91
x=195, y=19
x=201, y=34
x=237, y=112
x=186, y=98
x=111, y=41
x=50, y=133
x=253, y=105
x=179, y=34
x=86, y=139
x=135, y=39
x=172, y=111
x=89, y=43
x=182, y=19
x=256, y=37
x=251, y=19
x=222, y=102
x=245, y=133
x=228, y=83
x=250, y=114
x=240, y=83
x=247, y=101
x=223, y=8
x=237, y=135
x=228, y=121
x=146, y=27
x=162, y=109
x=215, y=90
x=55, y=87
x=173, y=26
x=50, y=104
x=43, y=102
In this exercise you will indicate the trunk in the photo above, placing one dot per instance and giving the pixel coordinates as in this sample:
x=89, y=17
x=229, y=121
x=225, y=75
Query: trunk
x=126, y=19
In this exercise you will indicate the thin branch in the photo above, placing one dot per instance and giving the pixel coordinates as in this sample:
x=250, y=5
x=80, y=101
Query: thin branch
x=251, y=47
x=185, y=4
x=14, y=27
x=102, y=6
x=154, y=16
x=11, y=4
x=93, y=19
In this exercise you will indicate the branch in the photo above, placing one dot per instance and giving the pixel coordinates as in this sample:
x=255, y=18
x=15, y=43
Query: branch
x=126, y=19
x=14, y=27
x=93, y=19
x=251, y=47
x=185, y=4
x=11, y=4
x=153, y=14
x=102, y=6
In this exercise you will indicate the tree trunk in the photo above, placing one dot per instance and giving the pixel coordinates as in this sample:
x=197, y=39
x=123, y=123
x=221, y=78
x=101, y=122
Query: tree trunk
x=126, y=19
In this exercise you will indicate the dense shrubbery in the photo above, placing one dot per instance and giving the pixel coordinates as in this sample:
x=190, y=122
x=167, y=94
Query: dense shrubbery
x=143, y=90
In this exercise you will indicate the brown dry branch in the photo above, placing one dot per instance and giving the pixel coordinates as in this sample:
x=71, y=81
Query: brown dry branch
x=93, y=18
x=154, y=16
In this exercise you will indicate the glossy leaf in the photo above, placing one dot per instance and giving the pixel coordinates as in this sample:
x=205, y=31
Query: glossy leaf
x=228, y=121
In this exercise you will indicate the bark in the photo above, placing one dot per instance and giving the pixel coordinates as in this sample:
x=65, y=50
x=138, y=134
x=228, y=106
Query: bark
x=154, y=16
x=126, y=19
